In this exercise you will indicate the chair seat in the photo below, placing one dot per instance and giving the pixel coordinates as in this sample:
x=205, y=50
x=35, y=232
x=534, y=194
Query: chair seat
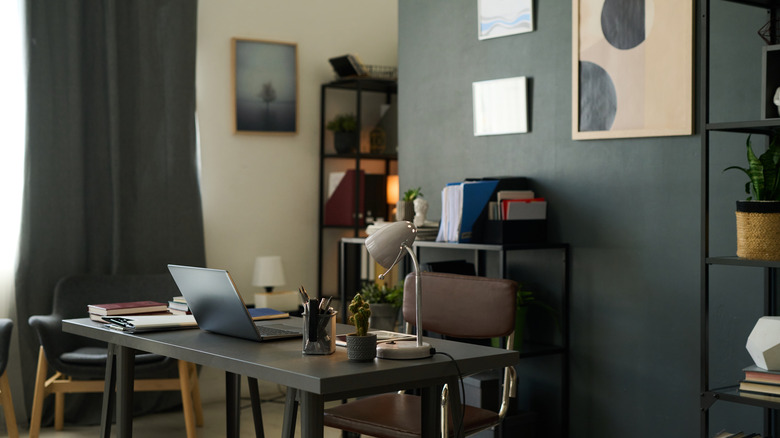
x=98, y=356
x=397, y=416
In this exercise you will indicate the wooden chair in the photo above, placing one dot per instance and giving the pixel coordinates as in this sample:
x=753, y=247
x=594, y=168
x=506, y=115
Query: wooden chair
x=79, y=363
x=456, y=306
x=6, y=326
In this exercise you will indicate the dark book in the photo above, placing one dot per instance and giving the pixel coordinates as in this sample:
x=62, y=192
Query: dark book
x=263, y=313
x=127, y=308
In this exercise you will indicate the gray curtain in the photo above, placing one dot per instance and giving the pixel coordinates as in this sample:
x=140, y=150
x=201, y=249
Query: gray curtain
x=111, y=183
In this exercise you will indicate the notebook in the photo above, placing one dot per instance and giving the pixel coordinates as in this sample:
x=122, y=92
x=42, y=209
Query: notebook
x=218, y=307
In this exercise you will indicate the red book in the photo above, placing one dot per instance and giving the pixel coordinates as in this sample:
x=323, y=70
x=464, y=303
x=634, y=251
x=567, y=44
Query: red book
x=128, y=308
x=756, y=374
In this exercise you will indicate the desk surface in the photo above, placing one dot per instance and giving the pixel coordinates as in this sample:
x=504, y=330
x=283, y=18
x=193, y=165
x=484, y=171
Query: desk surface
x=282, y=361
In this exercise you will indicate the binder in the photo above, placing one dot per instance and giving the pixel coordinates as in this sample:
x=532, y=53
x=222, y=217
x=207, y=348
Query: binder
x=340, y=207
x=462, y=204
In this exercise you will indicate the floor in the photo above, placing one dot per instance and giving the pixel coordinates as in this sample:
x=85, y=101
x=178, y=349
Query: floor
x=171, y=425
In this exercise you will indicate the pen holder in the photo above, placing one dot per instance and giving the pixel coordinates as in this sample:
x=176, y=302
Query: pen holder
x=319, y=333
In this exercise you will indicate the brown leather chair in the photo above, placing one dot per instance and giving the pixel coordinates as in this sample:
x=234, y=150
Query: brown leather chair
x=79, y=363
x=457, y=306
x=6, y=326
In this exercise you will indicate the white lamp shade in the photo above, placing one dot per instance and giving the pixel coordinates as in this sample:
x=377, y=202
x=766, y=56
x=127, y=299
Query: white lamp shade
x=268, y=272
x=385, y=244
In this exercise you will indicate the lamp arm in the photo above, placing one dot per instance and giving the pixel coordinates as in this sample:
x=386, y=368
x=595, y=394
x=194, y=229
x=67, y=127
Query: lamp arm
x=417, y=294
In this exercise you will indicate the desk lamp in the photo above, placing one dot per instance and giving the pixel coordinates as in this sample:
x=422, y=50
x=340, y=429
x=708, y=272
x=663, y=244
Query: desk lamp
x=387, y=246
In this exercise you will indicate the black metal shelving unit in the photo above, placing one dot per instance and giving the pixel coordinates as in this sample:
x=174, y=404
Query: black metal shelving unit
x=360, y=86
x=730, y=394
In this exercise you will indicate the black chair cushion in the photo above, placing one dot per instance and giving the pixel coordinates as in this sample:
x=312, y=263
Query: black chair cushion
x=97, y=356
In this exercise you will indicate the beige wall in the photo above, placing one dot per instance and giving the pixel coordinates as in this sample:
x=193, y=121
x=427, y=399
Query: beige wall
x=260, y=191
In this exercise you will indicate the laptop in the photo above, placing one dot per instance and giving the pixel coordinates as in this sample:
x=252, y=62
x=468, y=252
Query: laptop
x=218, y=307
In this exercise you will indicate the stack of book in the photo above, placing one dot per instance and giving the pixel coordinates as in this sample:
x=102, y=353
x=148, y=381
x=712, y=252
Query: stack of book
x=737, y=435
x=98, y=311
x=178, y=306
x=760, y=381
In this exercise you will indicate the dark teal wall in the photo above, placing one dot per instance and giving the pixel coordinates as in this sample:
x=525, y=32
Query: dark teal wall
x=630, y=208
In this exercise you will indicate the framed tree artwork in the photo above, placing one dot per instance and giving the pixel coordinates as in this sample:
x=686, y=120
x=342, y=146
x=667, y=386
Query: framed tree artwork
x=265, y=87
x=632, y=68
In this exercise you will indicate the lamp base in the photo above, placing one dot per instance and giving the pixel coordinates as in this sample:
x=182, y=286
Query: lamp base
x=282, y=300
x=403, y=350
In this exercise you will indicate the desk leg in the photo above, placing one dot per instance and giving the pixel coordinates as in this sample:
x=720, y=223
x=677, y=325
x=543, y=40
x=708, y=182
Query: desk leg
x=312, y=411
x=125, y=374
x=107, y=412
x=290, y=413
x=232, y=404
x=257, y=412
x=429, y=404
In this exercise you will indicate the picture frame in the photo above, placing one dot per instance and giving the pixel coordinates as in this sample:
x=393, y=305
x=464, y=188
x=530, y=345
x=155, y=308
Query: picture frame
x=629, y=81
x=265, y=86
x=500, y=106
x=498, y=18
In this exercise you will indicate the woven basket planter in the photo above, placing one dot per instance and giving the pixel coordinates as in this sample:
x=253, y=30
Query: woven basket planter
x=361, y=348
x=758, y=230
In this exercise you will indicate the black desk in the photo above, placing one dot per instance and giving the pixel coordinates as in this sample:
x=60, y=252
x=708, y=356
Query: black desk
x=316, y=379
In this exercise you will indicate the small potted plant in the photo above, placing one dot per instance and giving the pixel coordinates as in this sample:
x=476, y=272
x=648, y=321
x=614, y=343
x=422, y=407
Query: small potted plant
x=361, y=345
x=385, y=302
x=405, y=207
x=758, y=217
x=344, y=138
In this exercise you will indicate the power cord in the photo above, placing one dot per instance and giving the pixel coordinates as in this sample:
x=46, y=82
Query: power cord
x=462, y=388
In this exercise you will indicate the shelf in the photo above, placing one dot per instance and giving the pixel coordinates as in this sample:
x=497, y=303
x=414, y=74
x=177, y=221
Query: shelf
x=531, y=349
x=363, y=156
x=749, y=127
x=738, y=261
x=733, y=395
x=766, y=4
x=365, y=84
x=489, y=246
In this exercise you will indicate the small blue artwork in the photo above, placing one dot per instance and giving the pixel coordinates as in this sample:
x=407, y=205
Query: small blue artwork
x=499, y=18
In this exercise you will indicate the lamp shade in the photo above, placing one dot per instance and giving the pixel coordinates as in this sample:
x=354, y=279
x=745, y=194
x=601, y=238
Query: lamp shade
x=268, y=272
x=392, y=189
x=387, y=243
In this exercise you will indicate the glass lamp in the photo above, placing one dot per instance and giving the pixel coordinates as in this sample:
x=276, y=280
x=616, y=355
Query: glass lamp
x=387, y=246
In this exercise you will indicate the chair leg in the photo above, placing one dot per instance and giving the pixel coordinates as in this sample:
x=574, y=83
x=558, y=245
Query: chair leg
x=196, y=394
x=8, y=406
x=39, y=395
x=186, y=399
x=59, y=410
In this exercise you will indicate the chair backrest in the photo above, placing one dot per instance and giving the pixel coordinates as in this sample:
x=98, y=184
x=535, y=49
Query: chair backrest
x=6, y=326
x=463, y=306
x=73, y=293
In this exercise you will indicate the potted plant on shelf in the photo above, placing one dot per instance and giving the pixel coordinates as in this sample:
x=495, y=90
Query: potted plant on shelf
x=385, y=302
x=758, y=217
x=361, y=345
x=405, y=207
x=344, y=138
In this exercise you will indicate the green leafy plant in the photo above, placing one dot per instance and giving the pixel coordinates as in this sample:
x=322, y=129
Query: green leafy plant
x=382, y=294
x=342, y=123
x=412, y=194
x=360, y=312
x=763, y=172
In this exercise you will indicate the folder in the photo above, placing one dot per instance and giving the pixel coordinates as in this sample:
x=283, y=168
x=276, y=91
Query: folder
x=340, y=207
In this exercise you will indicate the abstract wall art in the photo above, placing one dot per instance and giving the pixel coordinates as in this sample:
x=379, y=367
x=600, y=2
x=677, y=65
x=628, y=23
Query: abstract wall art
x=265, y=86
x=499, y=18
x=500, y=106
x=632, y=68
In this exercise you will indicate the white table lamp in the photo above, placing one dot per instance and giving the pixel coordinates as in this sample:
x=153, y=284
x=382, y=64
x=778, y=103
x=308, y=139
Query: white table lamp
x=387, y=246
x=268, y=274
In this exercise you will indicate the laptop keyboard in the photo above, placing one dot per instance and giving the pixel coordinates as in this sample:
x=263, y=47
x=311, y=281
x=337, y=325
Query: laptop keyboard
x=264, y=330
